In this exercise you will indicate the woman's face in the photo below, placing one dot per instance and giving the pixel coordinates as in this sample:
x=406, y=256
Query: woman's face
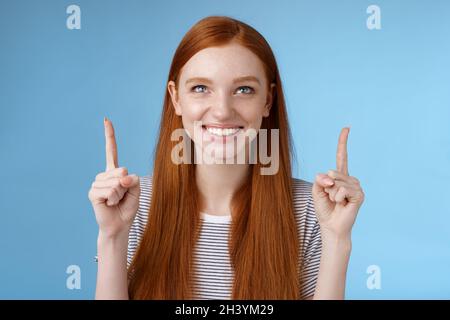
x=222, y=93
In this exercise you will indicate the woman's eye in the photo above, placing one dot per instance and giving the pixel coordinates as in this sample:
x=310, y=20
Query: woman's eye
x=245, y=90
x=199, y=88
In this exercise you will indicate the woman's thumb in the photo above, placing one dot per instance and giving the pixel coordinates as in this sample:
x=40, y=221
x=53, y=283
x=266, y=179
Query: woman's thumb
x=129, y=181
x=321, y=199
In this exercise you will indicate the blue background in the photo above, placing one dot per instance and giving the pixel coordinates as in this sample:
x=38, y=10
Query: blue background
x=391, y=85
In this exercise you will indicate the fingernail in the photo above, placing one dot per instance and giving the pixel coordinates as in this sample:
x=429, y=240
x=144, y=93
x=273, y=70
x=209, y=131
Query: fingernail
x=105, y=119
x=328, y=181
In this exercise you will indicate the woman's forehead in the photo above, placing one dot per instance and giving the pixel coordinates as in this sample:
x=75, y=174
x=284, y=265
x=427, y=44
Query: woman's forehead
x=223, y=63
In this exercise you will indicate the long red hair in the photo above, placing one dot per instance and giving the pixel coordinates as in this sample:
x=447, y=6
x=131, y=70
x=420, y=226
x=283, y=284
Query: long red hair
x=263, y=241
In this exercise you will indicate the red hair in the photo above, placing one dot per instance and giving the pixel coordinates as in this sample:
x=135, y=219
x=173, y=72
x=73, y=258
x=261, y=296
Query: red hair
x=263, y=241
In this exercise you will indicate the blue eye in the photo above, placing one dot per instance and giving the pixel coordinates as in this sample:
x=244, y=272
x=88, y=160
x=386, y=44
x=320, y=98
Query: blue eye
x=195, y=88
x=248, y=90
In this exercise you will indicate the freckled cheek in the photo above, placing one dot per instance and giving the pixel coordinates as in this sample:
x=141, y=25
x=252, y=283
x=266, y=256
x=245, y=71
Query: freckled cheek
x=251, y=112
x=193, y=109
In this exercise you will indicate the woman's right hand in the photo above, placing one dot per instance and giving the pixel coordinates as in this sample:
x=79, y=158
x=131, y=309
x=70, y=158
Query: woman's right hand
x=114, y=194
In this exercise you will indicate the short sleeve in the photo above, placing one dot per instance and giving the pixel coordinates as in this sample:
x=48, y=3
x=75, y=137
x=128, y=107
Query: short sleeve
x=312, y=248
x=138, y=226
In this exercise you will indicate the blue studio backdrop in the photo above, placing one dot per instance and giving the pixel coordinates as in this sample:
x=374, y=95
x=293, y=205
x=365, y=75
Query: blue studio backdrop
x=381, y=67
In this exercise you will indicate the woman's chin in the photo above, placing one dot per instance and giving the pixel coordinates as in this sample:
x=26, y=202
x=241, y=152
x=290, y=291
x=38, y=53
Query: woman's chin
x=219, y=155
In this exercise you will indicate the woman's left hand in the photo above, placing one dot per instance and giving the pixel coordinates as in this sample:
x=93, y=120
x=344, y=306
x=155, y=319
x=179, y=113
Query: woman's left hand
x=337, y=196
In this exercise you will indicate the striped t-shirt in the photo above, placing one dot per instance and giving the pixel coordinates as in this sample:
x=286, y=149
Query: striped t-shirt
x=213, y=275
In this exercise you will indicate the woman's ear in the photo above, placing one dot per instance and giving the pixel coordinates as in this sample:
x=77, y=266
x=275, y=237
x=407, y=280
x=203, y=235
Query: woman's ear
x=171, y=87
x=269, y=101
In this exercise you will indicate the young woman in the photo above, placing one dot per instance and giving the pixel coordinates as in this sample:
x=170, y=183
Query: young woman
x=198, y=230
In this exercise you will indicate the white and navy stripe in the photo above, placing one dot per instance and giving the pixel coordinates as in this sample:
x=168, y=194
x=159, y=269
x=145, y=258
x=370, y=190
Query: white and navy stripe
x=213, y=276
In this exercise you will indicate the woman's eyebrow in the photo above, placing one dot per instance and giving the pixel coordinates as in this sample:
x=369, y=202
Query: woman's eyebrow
x=236, y=80
x=198, y=79
x=247, y=78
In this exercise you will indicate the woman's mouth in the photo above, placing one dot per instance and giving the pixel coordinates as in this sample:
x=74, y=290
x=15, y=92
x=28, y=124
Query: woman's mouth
x=222, y=131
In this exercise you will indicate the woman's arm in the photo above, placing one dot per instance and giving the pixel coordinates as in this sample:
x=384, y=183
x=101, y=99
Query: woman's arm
x=115, y=198
x=337, y=199
x=112, y=267
x=333, y=268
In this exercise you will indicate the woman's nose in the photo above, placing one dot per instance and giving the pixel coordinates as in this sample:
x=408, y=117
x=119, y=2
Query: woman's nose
x=222, y=108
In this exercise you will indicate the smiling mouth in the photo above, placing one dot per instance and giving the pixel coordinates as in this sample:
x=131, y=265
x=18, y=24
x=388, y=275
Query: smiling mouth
x=222, y=132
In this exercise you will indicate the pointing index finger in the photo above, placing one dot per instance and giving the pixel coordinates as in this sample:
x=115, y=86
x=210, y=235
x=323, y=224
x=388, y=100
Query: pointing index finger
x=111, y=146
x=341, y=155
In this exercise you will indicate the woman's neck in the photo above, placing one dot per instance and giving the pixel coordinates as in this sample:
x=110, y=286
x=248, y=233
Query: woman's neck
x=217, y=183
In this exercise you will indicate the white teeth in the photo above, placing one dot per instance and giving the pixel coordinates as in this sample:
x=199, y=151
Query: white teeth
x=222, y=132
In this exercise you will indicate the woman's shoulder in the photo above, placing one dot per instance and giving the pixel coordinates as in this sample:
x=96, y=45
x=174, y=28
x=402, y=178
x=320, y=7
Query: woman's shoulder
x=303, y=200
x=301, y=186
x=145, y=198
x=146, y=181
x=302, y=190
x=146, y=187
